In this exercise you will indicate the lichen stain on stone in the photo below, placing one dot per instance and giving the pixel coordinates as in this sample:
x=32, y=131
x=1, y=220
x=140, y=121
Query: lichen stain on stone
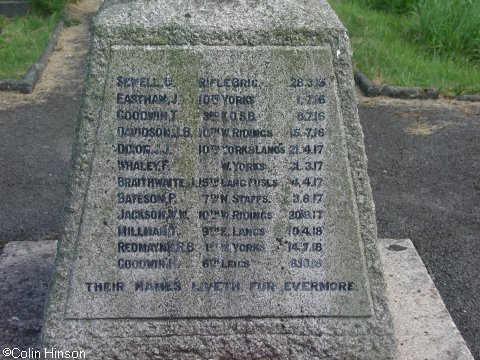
x=178, y=63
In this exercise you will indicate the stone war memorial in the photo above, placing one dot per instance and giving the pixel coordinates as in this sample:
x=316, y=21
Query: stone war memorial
x=219, y=204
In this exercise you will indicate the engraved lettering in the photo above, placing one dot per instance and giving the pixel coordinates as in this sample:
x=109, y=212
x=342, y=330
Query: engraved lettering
x=216, y=286
x=139, y=264
x=319, y=286
x=145, y=286
x=105, y=286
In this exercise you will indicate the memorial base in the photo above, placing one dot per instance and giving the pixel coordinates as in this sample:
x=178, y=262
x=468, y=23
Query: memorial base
x=423, y=326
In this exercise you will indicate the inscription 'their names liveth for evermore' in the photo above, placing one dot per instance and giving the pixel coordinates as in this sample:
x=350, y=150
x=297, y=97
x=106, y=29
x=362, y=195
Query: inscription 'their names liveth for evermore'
x=224, y=190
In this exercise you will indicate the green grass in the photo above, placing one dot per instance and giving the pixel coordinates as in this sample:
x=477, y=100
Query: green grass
x=385, y=50
x=449, y=27
x=22, y=40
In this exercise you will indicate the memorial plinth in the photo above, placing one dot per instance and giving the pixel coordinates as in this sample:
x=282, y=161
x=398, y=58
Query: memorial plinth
x=219, y=203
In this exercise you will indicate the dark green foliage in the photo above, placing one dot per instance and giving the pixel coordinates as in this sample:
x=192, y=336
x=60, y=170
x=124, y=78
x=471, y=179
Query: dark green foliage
x=46, y=7
x=2, y=245
x=72, y=21
x=398, y=6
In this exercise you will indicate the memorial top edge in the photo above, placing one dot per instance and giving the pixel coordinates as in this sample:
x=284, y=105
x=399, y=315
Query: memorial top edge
x=221, y=15
x=213, y=47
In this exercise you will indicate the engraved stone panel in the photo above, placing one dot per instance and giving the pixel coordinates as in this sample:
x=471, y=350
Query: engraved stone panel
x=220, y=187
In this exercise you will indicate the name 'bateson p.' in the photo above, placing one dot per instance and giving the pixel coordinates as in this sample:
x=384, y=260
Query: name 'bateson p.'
x=219, y=203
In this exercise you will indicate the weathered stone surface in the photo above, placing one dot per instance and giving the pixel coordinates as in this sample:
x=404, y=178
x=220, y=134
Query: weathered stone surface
x=423, y=327
x=205, y=164
x=227, y=131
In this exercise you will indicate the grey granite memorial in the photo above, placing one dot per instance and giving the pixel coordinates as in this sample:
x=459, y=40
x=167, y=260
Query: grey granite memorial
x=219, y=204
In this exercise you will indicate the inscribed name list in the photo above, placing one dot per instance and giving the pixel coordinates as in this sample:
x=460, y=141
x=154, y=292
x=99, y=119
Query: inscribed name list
x=220, y=187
